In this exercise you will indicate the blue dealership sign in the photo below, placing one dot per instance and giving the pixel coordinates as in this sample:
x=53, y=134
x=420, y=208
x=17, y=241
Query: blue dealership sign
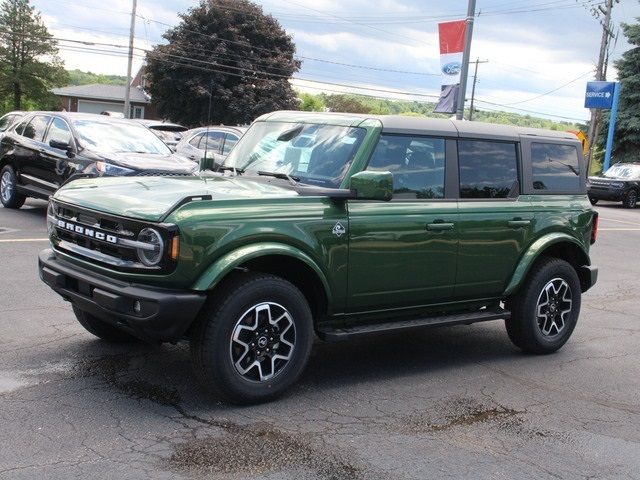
x=599, y=95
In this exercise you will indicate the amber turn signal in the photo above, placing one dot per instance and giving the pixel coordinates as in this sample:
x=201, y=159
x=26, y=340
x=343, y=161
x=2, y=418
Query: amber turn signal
x=174, y=248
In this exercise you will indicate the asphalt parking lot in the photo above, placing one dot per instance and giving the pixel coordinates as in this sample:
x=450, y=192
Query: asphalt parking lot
x=457, y=402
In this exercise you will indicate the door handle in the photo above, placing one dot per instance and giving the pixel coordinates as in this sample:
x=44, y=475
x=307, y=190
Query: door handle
x=439, y=226
x=518, y=223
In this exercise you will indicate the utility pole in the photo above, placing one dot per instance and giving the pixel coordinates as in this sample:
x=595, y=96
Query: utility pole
x=473, y=89
x=601, y=68
x=127, y=93
x=464, y=71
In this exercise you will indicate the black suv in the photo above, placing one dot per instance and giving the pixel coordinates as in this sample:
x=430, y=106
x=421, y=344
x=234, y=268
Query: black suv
x=47, y=149
x=620, y=183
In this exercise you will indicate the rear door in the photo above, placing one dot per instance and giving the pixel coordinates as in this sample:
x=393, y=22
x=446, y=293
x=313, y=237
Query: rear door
x=495, y=222
x=402, y=253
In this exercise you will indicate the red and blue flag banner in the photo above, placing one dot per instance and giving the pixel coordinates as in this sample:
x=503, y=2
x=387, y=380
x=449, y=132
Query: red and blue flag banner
x=451, y=49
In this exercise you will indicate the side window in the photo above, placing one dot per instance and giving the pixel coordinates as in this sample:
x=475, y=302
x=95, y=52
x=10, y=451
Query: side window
x=59, y=131
x=555, y=167
x=417, y=164
x=36, y=128
x=214, y=142
x=21, y=126
x=196, y=140
x=229, y=141
x=487, y=169
x=6, y=121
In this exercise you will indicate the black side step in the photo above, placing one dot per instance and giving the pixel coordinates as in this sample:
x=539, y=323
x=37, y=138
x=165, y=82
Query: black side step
x=334, y=334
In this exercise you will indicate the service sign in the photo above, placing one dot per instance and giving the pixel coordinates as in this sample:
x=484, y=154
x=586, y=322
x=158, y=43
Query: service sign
x=599, y=95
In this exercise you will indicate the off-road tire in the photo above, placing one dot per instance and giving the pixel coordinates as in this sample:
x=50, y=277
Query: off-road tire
x=630, y=199
x=212, y=346
x=14, y=199
x=102, y=329
x=523, y=328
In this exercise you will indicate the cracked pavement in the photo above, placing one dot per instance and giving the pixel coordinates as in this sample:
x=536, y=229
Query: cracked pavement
x=458, y=402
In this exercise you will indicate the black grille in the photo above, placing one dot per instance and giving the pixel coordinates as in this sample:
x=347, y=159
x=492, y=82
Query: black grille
x=105, y=244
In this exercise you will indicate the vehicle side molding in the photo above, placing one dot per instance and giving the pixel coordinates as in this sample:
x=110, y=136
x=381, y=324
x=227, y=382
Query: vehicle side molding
x=538, y=248
x=234, y=259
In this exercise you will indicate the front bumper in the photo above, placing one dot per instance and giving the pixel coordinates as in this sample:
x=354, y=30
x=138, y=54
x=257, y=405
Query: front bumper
x=164, y=314
x=613, y=194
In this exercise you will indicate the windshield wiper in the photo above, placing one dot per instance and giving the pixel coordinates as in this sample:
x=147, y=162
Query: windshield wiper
x=283, y=176
x=224, y=168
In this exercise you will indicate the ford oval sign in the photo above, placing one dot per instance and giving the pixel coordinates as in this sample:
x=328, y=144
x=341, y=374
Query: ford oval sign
x=452, y=68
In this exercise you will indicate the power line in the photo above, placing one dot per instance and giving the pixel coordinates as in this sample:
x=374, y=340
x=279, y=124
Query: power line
x=550, y=91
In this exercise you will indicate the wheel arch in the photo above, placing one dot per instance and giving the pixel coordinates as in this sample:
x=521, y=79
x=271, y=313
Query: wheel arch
x=282, y=260
x=558, y=245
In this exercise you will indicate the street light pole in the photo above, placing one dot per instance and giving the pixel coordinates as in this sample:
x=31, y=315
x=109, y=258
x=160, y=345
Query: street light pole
x=127, y=92
x=471, y=13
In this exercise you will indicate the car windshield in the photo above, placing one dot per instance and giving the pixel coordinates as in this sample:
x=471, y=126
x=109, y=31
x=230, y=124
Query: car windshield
x=118, y=137
x=315, y=154
x=631, y=172
x=168, y=136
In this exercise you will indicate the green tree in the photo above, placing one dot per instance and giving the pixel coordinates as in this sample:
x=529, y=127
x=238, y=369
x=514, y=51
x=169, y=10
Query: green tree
x=627, y=135
x=311, y=103
x=29, y=65
x=78, y=77
x=231, y=49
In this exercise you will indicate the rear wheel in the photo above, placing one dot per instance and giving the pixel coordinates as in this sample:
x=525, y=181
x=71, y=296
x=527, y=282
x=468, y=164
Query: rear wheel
x=102, y=329
x=254, y=339
x=545, y=311
x=8, y=193
x=630, y=199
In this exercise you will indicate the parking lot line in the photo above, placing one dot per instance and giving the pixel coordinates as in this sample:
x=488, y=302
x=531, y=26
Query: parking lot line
x=18, y=240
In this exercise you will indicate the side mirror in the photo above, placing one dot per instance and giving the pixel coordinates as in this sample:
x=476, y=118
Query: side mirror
x=370, y=185
x=66, y=146
x=207, y=163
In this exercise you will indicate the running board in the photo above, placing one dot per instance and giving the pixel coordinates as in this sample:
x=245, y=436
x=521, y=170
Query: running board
x=334, y=334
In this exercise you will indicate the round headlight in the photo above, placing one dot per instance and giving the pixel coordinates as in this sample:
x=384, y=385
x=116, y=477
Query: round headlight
x=151, y=253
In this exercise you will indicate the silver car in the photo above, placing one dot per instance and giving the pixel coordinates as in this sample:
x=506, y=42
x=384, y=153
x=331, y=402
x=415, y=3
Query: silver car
x=216, y=141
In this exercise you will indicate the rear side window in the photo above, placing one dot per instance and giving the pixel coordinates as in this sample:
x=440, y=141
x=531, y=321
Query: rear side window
x=555, y=167
x=417, y=165
x=487, y=169
x=36, y=128
x=6, y=121
x=196, y=140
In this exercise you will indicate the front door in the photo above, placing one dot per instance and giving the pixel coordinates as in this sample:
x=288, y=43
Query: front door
x=402, y=253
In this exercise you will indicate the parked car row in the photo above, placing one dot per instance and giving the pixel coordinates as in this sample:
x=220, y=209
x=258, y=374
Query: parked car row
x=214, y=141
x=620, y=183
x=40, y=151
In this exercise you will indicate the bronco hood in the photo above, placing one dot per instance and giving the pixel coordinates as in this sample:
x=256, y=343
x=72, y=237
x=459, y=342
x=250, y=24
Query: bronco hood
x=151, y=198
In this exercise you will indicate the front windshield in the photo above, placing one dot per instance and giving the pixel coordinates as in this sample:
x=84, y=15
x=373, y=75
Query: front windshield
x=118, y=137
x=631, y=172
x=315, y=154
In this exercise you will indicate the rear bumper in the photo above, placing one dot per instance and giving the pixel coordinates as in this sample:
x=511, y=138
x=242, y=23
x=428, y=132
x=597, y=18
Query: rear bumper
x=164, y=314
x=588, y=276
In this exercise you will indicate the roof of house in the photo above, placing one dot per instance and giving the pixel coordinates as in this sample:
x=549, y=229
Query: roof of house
x=102, y=92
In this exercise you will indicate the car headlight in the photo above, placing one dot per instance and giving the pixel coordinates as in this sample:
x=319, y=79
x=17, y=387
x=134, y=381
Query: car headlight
x=104, y=168
x=151, y=253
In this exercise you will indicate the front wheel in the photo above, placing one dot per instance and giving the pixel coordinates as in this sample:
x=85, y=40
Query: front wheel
x=545, y=310
x=253, y=340
x=8, y=192
x=630, y=199
x=593, y=201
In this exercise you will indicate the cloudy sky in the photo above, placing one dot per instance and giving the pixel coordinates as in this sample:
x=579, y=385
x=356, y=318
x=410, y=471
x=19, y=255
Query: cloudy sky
x=533, y=47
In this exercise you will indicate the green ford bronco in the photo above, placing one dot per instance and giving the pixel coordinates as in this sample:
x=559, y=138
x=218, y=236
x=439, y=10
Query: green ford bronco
x=336, y=225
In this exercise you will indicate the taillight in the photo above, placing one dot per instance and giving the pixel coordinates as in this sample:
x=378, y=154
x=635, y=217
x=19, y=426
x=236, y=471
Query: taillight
x=594, y=228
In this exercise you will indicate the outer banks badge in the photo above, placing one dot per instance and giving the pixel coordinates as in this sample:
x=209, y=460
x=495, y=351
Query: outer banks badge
x=338, y=230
